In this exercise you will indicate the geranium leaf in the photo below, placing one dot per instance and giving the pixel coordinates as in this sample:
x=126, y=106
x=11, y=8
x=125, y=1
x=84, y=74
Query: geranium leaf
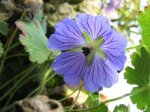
x=121, y=108
x=40, y=17
x=141, y=99
x=139, y=75
x=34, y=40
x=144, y=21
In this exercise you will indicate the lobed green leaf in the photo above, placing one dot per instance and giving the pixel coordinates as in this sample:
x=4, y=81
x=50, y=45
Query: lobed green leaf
x=139, y=75
x=144, y=21
x=141, y=99
x=34, y=40
x=121, y=108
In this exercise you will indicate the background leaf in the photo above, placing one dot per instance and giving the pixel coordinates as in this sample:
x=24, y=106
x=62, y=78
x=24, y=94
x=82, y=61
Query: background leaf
x=142, y=99
x=1, y=49
x=121, y=108
x=3, y=28
x=140, y=76
x=144, y=21
x=34, y=40
x=42, y=19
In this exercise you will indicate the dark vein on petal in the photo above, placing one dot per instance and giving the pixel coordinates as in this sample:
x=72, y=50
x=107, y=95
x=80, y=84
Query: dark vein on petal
x=110, y=47
x=89, y=27
x=93, y=72
x=105, y=73
x=60, y=34
x=79, y=65
x=56, y=38
x=94, y=24
x=111, y=37
x=104, y=32
x=68, y=57
x=111, y=42
x=84, y=27
x=114, y=57
x=98, y=73
x=78, y=35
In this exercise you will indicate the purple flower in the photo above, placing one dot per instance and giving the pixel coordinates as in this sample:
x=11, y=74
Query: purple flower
x=113, y=4
x=92, y=52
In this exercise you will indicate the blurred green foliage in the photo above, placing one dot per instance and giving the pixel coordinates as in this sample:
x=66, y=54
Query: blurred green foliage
x=3, y=28
x=58, y=10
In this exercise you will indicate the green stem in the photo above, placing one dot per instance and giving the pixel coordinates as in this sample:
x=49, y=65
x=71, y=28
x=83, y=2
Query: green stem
x=102, y=103
x=133, y=47
x=9, y=44
x=18, y=87
x=33, y=92
x=111, y=100
x=13, y=46
x=37, y=89
x=16, y=77
x=50, y=77
x=16, y=55
x=65, y=98
x=7, y=108
x=43, y=82
x=17, y=83
x=6, y=51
